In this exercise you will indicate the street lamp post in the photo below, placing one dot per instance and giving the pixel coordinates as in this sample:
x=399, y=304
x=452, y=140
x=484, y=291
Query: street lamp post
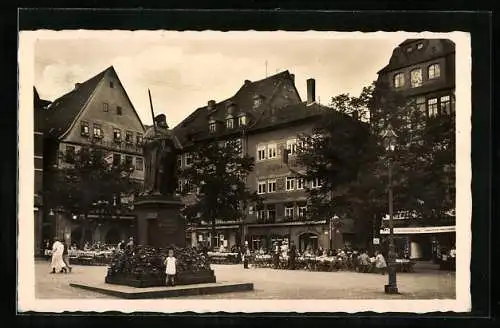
x=389, y=138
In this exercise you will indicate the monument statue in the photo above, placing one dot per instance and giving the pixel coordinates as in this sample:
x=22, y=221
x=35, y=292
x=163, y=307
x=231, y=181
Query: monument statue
x=160, y=150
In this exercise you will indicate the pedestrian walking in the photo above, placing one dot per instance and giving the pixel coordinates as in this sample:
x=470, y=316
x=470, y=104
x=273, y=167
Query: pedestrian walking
x=170, y=268
x=57, y=264
x=66, y=256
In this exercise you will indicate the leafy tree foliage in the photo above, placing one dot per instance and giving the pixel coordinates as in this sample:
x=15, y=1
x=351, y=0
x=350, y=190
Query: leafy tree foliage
x=88, y=183
x=217, y=181
x=351, y=161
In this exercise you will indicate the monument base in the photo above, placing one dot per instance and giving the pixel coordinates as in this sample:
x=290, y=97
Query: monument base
x=159, y=223
x=183, y=278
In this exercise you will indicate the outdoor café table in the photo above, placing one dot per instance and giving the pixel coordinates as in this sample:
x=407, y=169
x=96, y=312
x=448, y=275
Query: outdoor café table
x=220, y=257
x=404, y=265
x=263, y=260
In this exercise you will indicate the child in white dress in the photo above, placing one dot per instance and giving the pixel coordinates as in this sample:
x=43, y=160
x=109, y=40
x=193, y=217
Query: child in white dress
x=170, y=264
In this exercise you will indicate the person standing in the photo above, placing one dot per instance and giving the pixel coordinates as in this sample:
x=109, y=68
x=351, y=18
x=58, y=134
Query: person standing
x=57, y=263
x=276, y=255
x=66, y=256
x=292, y=256
x=246, y=255
x=380, y=263
x=170, y=268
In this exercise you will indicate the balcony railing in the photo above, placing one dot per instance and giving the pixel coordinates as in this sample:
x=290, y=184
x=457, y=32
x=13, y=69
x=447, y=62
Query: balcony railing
x=115, y=144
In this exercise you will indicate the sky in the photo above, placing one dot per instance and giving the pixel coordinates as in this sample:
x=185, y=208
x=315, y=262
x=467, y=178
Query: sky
x=184, y=70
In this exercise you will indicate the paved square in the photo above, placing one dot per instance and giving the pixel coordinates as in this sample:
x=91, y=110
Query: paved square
x=424, y=283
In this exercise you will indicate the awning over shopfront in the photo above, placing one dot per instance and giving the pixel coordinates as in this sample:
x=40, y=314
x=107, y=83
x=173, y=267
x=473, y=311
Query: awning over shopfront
x=418, y=230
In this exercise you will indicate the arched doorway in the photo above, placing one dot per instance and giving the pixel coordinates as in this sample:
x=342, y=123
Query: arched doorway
x=308, y=239
x=113, y=236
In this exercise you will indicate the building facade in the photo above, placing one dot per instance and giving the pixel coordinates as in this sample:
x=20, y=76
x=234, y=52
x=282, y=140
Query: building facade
x=423, y=72
x=267, y=116
x=96, y=114
x=39, y=106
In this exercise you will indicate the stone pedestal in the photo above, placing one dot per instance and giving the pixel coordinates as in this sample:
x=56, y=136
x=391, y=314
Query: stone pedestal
x=159, y=223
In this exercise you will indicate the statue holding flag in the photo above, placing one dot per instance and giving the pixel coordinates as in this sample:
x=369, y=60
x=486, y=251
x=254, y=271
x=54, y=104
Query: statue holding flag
x=160, y=150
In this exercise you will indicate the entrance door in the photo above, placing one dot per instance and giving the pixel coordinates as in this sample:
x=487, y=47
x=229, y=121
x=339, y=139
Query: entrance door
x=308, y=241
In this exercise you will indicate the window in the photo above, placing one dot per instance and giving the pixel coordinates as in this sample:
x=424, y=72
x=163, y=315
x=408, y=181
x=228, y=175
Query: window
x=290, y=183
x=129, y=137
x=189, y=159
x=434, y=71
x=315, y=183
x=211, y=126
x=117, y=135
x=229, y=122
x=409, y=49
x=420, y=46
x=261, y=153
x=179, y=161
x=118, y=110
x=69, y=154
x=117, y=158
x=97, y=131
x=139, y=163
x=416, y=78
x=291, y=146
x=445, y=105
x=399, y=80
x=239, y=146
x=138, y=139
x=257, y=101
x=289, y=211
x=260, y=215
x=105, y=107
x=271, y=213
x=272, y=151
x=261, y=187
x=242, y=120
x=128, y=160
x=84, y=129
x=179, y=185
x=420, y=101
x=432, y=107
x=271, y=186
x=111, y=84
x=302, y=210
x=300, y=183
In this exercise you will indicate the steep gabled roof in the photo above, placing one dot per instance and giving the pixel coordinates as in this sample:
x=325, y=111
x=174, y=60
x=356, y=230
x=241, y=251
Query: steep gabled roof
x=197, y=122
x=63, y=111
x=37, y=101
x=401, y=58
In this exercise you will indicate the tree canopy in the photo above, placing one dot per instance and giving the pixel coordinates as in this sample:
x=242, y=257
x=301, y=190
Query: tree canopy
x=351, y=162
x=216, y=178
x=88, y=182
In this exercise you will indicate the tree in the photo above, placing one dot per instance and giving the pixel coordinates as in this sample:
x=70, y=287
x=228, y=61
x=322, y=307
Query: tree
x=337, y=155
x=217, y=177
x=88, y=183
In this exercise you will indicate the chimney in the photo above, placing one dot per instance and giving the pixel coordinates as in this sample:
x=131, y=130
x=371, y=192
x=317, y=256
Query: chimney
x=211, y=105
x=77, y=85
x=247, y=82
x=311, y=91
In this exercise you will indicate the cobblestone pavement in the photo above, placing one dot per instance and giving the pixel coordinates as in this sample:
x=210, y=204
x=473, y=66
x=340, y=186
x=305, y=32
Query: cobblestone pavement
x=273, y=284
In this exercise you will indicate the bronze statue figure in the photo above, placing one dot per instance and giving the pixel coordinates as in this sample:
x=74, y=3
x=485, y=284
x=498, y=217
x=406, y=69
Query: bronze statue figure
x=160, y=150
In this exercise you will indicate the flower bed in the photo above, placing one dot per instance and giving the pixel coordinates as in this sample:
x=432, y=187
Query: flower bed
x=144, y=267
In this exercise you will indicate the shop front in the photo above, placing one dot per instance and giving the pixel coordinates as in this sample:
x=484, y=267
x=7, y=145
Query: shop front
x=227, y=236
x=421, y=243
